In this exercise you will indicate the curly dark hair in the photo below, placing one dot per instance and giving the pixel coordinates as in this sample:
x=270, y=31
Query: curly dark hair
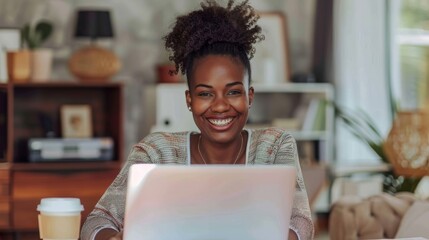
x=230, y=30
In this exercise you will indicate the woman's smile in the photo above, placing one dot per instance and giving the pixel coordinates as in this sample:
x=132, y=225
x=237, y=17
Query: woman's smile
x=220, y=122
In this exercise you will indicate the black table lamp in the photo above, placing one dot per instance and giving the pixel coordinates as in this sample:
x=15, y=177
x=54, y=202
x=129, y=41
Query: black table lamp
x=93, y=63
x=93, y=24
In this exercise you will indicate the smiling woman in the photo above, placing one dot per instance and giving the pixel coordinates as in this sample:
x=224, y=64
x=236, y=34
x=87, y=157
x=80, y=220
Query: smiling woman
x=212, y=47
x=219, y=97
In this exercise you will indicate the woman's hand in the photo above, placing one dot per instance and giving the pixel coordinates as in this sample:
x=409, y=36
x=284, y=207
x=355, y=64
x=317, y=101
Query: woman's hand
x=109, y=234
x=292, y=235
x=117, y=236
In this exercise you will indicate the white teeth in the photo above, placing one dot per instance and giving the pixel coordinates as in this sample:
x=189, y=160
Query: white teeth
x=220, y=122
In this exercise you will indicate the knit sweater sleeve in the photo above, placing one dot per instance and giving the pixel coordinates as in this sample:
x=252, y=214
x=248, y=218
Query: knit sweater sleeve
x=276, y=146
x=156, y=148
x=109, y=211
x=301, y=221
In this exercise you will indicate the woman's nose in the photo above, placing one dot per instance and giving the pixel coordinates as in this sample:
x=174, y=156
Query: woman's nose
x=220, y=104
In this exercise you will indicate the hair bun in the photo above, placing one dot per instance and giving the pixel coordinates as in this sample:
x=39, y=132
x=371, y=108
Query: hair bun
x=213, y=23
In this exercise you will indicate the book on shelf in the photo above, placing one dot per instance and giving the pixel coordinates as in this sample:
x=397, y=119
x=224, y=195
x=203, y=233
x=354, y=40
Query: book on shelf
x=319, y=121
x=315, y=116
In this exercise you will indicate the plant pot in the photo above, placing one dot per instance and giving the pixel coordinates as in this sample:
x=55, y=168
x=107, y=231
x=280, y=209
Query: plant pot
x=41, y=65
x=19, y=65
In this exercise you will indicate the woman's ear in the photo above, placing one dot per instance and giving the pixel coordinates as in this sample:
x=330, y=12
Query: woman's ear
x=251, y=95
x=188, y=99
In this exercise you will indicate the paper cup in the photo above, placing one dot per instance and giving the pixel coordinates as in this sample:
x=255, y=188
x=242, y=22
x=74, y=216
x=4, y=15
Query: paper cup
x=59, y=218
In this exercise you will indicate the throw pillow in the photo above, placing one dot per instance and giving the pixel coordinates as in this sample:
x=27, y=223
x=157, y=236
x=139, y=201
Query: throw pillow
x=414, y=223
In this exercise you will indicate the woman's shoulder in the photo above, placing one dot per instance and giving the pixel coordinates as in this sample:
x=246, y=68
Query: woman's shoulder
x=162, y=147
x=164, y=139
x=271, y=134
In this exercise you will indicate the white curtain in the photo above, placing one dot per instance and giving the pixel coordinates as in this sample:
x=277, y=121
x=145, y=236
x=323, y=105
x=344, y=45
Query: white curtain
x=360, y=72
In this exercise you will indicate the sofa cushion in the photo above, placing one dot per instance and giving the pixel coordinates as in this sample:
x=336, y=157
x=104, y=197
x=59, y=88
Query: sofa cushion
x=375, y=217
x=415, y=221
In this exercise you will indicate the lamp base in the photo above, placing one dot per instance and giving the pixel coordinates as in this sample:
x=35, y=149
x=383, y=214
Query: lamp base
x=94, y=64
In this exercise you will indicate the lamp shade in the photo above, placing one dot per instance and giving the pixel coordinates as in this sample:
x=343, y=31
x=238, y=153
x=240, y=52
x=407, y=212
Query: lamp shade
x=93, y=24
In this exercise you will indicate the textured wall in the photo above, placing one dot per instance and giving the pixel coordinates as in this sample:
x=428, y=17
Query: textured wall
x=139, y=25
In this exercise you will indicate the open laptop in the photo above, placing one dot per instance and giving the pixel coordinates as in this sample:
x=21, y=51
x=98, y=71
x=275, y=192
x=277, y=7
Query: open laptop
x=216, y=202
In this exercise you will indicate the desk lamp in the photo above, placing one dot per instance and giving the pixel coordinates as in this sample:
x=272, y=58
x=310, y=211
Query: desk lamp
x=93, y=63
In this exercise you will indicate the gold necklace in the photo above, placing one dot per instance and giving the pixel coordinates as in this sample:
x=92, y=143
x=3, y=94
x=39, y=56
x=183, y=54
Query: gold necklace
x=236, y=159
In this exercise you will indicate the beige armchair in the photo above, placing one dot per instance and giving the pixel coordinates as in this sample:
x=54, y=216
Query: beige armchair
x=375, y=217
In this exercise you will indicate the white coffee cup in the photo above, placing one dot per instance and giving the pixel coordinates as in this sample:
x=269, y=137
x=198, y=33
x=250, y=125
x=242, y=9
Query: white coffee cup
x=59, y=218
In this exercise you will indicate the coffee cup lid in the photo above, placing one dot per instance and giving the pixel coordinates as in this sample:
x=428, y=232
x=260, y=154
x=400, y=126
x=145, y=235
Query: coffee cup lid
x=63, y=205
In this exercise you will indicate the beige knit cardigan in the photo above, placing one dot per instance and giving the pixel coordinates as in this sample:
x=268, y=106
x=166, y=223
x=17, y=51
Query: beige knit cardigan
x=264, y=146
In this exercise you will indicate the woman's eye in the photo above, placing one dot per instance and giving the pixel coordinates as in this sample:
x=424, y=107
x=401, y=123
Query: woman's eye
x=234, y=92
x=204, y=94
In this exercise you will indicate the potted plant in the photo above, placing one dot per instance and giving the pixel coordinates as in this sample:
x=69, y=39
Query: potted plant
x=360, y=124
x=33, y=37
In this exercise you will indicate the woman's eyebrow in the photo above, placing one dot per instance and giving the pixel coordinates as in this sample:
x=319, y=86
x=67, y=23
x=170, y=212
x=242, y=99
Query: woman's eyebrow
x=227, y=85
x=234, y=83
x=202, y=85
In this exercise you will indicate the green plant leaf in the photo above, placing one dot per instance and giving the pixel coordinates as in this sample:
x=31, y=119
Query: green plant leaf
x=361, y=122
x=370, y=123
x=43, y=30
x=33, y=37
x=362, y=127
x=357, y=125
x=25, y=35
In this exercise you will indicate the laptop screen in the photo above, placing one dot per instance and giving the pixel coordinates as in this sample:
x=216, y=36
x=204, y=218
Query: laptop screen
x=209, y=202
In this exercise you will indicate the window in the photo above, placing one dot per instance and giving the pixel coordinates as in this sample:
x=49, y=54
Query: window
x=409, y=58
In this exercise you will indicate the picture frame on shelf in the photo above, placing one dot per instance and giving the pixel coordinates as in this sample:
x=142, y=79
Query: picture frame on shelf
x=76, y=121
x=271, y=63
x=10, y=40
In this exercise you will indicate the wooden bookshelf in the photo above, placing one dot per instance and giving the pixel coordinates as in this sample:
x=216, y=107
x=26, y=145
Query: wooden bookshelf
x=24, y=183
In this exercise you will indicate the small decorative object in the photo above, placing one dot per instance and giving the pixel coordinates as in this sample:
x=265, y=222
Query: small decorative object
x=164, y=74
x=41, y=58
x=18, y=65
x=76, y=121
x=10, y=40
x=407, y=145
x=93, y=63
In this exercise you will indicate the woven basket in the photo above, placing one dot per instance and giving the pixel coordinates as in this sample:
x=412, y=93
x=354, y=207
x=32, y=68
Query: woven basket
x=407, y=145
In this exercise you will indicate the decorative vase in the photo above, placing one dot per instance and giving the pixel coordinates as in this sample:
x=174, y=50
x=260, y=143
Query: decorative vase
x=94, y=64
x=407, y=145
x=41, y=65
x=19, y=65
x=164, y=76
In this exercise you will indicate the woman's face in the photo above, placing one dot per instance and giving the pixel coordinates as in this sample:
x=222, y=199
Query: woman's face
x=219, y=97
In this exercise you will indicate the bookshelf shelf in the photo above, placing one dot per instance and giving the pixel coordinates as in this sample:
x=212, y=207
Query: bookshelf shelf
x=310, y=135
x=66, y=166
x=294, y=87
